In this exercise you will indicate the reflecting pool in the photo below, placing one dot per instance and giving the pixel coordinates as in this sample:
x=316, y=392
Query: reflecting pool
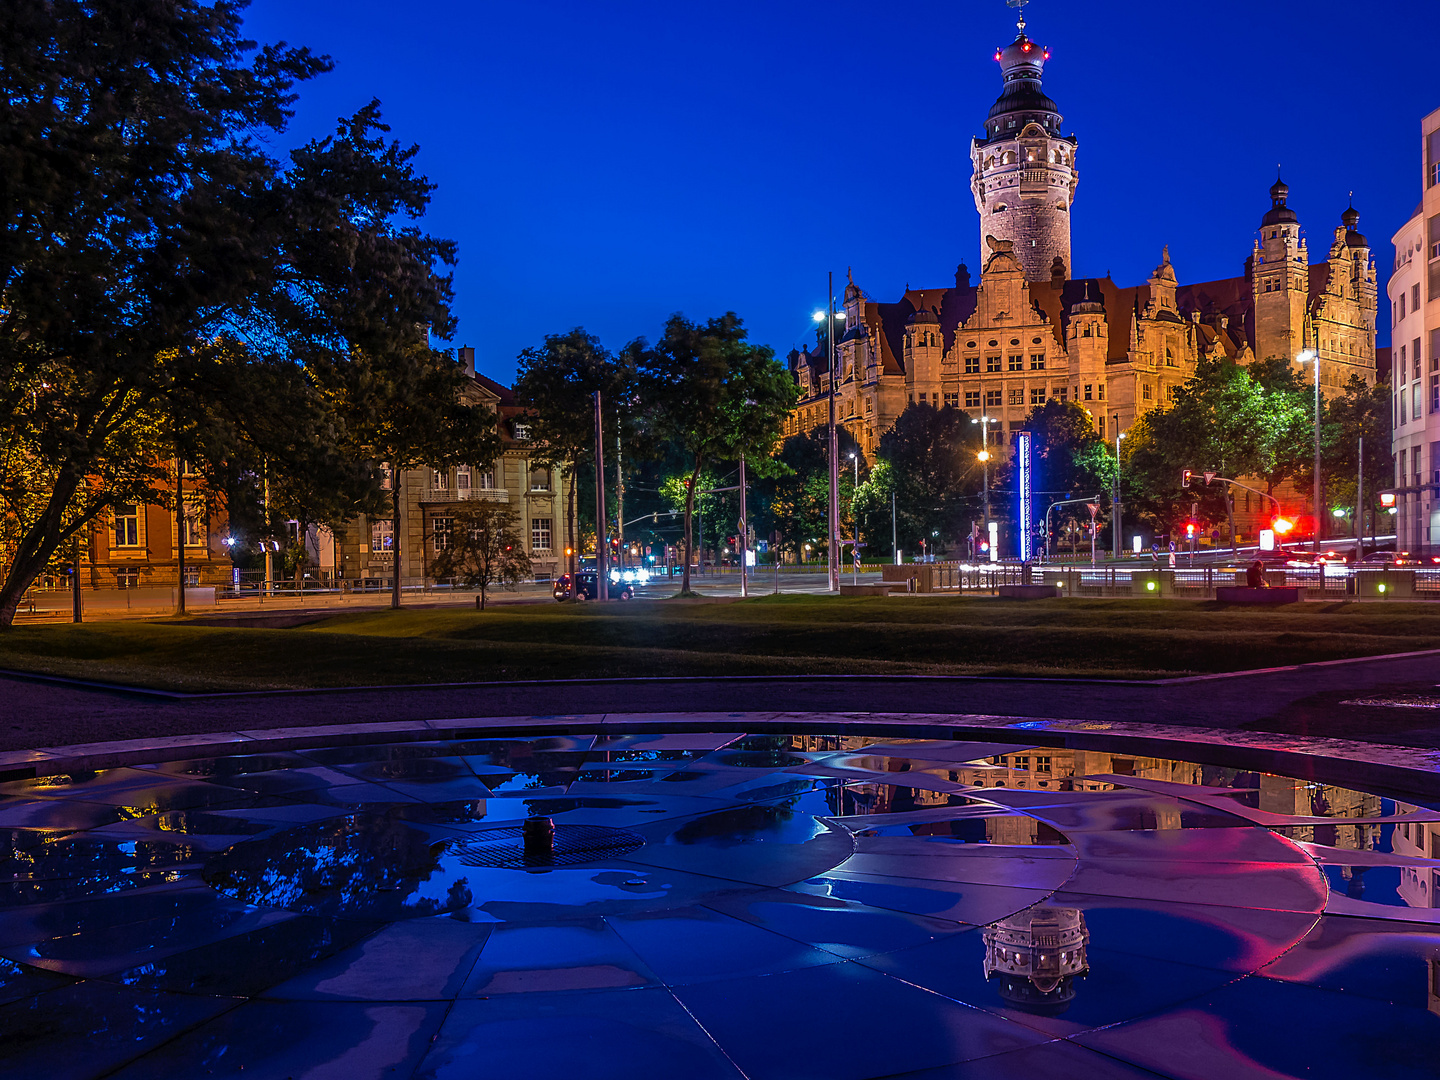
x=769, y=907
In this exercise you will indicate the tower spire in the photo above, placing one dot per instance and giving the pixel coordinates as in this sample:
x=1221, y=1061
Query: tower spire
x=1019, y=6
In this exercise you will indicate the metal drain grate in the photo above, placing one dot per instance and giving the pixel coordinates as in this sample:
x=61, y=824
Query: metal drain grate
x=504, y=848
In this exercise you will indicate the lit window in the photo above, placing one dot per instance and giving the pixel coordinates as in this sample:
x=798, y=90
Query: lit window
x=1017, y=395
x=444, y=529
x=1087, y=391
x=540, y=535
x=127, y=525
x=382, y=536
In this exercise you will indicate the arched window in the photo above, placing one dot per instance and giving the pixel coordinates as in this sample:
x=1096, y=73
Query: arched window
x=1086, y=331
x=1000, y=206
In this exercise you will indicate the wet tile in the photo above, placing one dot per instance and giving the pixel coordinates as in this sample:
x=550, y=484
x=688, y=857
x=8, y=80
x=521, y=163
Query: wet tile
x=614, y=1035
x=1114, y=986
x=1377, y=959
x=19, y=981
x=959, y=864
x=693, y=944
x=415, y=960
x=846, y=928
x=1237, y=1032
x=583, y=954
x=953, y=900
x=1190, y=845
x=1240, y=940
x=247, y=964
x=91, y=1028
x=26, y=924
x=293, y=1039
x=922, y=1030
x=1283, y=886
x=1052, y=1059
x=109, y=949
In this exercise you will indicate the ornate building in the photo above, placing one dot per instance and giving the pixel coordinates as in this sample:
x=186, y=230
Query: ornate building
x=1029, y=331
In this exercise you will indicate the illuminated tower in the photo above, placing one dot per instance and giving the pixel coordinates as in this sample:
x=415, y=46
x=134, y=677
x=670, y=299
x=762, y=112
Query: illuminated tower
x=1279, y=272
x=1024, y=169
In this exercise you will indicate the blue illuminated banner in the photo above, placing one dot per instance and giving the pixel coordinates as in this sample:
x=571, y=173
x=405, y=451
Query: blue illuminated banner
x=1025, y=484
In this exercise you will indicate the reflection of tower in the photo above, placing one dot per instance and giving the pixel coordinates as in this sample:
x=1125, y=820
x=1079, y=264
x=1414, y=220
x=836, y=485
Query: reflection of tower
x=1024, y=170
x=1037, y=955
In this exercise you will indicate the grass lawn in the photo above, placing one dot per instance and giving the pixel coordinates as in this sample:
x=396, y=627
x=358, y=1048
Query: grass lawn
x=794, y=635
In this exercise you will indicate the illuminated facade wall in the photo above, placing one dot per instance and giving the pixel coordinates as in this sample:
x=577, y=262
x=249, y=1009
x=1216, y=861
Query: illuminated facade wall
x=1029, y=331
x=1414, y=292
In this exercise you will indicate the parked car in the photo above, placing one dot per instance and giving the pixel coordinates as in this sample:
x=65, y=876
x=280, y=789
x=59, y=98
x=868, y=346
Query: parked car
x=585, y=586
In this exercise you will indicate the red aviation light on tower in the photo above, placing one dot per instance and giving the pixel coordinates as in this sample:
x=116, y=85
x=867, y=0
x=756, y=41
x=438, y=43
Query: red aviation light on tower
x=1025, y=47
x=997, y=56
x=1044, y=54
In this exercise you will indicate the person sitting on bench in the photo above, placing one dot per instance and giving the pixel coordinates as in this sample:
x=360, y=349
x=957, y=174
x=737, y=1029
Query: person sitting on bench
x=1255, y=576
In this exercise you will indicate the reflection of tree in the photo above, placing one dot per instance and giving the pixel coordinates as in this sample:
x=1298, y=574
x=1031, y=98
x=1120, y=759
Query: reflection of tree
x=736, y=825
x=1037, y=955
x=371, y=862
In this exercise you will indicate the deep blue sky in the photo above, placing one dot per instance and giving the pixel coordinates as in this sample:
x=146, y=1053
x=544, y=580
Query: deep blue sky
x=607, y=164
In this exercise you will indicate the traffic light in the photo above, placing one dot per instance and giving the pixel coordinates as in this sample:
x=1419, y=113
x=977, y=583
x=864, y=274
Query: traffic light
x=1190, y=528
x=1185, y=478
x=1282, y=526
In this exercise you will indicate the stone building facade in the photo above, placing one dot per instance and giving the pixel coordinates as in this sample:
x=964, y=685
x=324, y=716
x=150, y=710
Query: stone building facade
x=136, y=547
x=1029, y=331
x=1414, y=292
x=364, y=549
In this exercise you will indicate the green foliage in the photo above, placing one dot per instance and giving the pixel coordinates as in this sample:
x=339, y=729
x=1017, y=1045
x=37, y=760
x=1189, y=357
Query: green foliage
x=485, y=548
x=1361, y=411
x=1228, y=419
x=794, y=495
x=714, y=395
x=937, y=476
x=169, y=289
x=556, y=383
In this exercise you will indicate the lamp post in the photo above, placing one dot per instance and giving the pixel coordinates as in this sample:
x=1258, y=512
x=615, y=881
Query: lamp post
x=829, y=317
x=854, y=521
x=984, y=458
x=1311, y=356
x=1115, y=495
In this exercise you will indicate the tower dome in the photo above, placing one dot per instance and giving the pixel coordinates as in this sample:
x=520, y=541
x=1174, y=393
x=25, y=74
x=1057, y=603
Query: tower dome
x=1024, y=170
x=923, y=315
x=1279, y=213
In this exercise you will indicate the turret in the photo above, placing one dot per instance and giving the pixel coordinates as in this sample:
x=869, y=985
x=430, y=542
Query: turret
x=1024, y=174
x=922, y=356
x=1279, y=274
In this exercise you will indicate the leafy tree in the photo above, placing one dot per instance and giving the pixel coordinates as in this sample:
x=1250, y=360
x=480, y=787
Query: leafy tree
x=484, y=548
x=154, y=258
x=556, y=382
x=872, y=507
x=714, y=395
x=1234, y=420
x=1361, y=411
x=794, y=499
x=937, y=476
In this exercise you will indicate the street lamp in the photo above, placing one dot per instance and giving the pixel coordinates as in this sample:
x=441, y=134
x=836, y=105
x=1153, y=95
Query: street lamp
x=1115, y=495
x=984, y=458
x=833, y=557
x=1307, y=356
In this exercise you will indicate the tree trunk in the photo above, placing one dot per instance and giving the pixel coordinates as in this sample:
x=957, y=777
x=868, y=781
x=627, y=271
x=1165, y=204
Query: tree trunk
x=689, y=512
x=395, y=532
x=39, y=543
x=482, y=596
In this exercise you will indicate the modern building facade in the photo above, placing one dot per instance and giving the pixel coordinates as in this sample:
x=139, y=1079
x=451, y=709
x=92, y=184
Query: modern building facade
x=1029, y=330
x=1414, y=291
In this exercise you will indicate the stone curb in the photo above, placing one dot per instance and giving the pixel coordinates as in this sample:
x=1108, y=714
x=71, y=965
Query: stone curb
x=1402, y=771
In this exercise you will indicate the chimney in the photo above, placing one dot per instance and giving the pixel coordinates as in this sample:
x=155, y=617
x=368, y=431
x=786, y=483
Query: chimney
x=467, y=360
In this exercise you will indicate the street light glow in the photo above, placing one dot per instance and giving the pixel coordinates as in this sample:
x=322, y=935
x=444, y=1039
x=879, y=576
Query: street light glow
x=1306, y=355
x=983, y=455
x=819, y=316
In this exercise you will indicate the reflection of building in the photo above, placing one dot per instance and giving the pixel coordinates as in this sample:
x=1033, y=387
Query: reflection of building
x=429, y=497
x=1421, y=840
x=1415, y=358
x=1037, y=955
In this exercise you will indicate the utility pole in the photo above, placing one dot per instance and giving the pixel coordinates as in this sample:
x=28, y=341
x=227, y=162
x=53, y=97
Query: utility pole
x=1360, y=502
x=75, y=584
x=1115, y=493
x=619, y=493
x=894, y=528
x=602, y=557
x=834, y=545
x=744, y=537
x=180, y=532
x=394, y=536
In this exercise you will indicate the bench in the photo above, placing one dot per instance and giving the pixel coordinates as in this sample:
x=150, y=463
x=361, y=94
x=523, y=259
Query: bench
x=1029, y=592
x=1243, y=594
x=883, y=588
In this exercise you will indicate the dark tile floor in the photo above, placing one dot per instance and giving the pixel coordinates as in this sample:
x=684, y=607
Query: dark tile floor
x=763, y=907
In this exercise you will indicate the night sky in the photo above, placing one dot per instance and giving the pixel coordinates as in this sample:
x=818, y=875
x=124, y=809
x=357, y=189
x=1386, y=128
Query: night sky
x=605, y=165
